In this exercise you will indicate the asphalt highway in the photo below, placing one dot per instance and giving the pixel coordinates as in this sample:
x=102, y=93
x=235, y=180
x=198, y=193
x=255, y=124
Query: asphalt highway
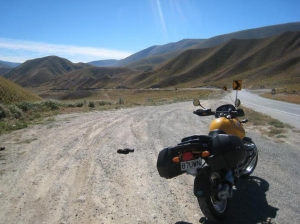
x=286, y=112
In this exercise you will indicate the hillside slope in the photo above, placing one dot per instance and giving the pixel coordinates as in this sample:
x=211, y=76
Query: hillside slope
x=104, y=63
x=37, y=71
x=4, y=68
x=58, y=73
x=270, y=61
x=91, y=78
x=11, y=92
x=146, y=59
x=159, y=50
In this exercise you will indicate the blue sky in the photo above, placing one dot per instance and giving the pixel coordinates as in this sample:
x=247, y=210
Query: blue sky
x=88, y=30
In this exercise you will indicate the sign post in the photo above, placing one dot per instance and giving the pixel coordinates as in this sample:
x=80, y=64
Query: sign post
x=237, y=85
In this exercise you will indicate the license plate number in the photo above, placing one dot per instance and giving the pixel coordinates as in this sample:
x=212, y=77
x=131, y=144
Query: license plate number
x=197, y=163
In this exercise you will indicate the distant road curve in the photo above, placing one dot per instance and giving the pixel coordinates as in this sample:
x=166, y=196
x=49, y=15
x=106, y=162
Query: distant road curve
x=286, y=112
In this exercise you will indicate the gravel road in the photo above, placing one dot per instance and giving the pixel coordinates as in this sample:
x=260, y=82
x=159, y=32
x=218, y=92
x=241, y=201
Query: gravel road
x=69, y=171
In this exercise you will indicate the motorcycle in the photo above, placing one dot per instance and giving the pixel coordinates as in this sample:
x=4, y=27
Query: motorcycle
x=217, y=160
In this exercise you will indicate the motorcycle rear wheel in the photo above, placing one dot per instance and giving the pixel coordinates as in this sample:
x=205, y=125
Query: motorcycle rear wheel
x=212, y=209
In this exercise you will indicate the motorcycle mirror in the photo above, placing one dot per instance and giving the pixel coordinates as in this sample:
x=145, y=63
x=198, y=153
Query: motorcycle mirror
x=196, y=102
x=237, y=102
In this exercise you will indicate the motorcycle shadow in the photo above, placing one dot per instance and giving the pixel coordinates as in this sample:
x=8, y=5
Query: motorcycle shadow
x=249, y=203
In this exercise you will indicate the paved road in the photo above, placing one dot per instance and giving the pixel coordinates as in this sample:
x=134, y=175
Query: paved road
x=285, y=112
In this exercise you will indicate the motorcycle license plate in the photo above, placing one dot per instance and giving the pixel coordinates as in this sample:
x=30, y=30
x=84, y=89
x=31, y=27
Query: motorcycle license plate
x=197, y=163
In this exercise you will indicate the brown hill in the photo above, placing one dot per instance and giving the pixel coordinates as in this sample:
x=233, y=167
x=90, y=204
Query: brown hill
x=58, y=73
x=272, y=62
x=269, y=62
x=91, y=78
x=154, y=55
x=11, y=92
x=37, y=71
x=4, y=69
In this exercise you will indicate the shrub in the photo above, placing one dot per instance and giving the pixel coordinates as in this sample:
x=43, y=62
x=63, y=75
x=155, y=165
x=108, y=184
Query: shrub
x=4, y=112
x=26, y=105
x=15, y=111
x=121, y=101
x=103, y=103
x=91, y=104
x=76, y=104
x=52, y=104
x=79, y=104
x=71, y=105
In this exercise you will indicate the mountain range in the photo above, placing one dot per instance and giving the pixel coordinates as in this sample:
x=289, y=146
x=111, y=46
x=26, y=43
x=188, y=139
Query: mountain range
x=267, y=56
x=159, y=53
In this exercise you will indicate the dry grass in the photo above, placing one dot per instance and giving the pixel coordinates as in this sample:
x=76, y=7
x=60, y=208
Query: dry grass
x=33, y=113
x=266, y=124
x=129, y=97
x=20, y=115
x=287, y=97
x=11, y=92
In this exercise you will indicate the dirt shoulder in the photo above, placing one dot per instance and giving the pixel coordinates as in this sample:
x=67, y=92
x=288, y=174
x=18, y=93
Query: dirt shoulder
x=69, y=171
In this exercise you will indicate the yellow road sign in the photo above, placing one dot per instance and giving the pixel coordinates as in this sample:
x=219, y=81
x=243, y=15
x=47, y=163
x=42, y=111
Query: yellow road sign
x=237, y=85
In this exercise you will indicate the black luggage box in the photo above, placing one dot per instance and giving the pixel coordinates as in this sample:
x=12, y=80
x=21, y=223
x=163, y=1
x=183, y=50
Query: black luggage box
x=165, y=165
x=228, y=152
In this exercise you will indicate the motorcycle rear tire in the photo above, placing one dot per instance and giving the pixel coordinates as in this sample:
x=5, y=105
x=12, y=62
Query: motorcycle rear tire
x=212, y=210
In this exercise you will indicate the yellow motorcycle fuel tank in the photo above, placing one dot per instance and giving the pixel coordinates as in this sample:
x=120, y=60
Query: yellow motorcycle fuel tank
x=229, y=126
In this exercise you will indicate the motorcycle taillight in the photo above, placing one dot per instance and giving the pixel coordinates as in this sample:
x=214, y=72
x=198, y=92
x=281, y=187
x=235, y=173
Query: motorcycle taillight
x=187, y=156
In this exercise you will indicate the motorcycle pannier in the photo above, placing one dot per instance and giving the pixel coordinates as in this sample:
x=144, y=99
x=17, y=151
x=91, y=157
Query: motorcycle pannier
x=228, y=151
x=165, y=165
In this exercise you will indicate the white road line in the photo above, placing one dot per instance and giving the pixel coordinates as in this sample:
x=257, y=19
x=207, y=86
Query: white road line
x=290, y=114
